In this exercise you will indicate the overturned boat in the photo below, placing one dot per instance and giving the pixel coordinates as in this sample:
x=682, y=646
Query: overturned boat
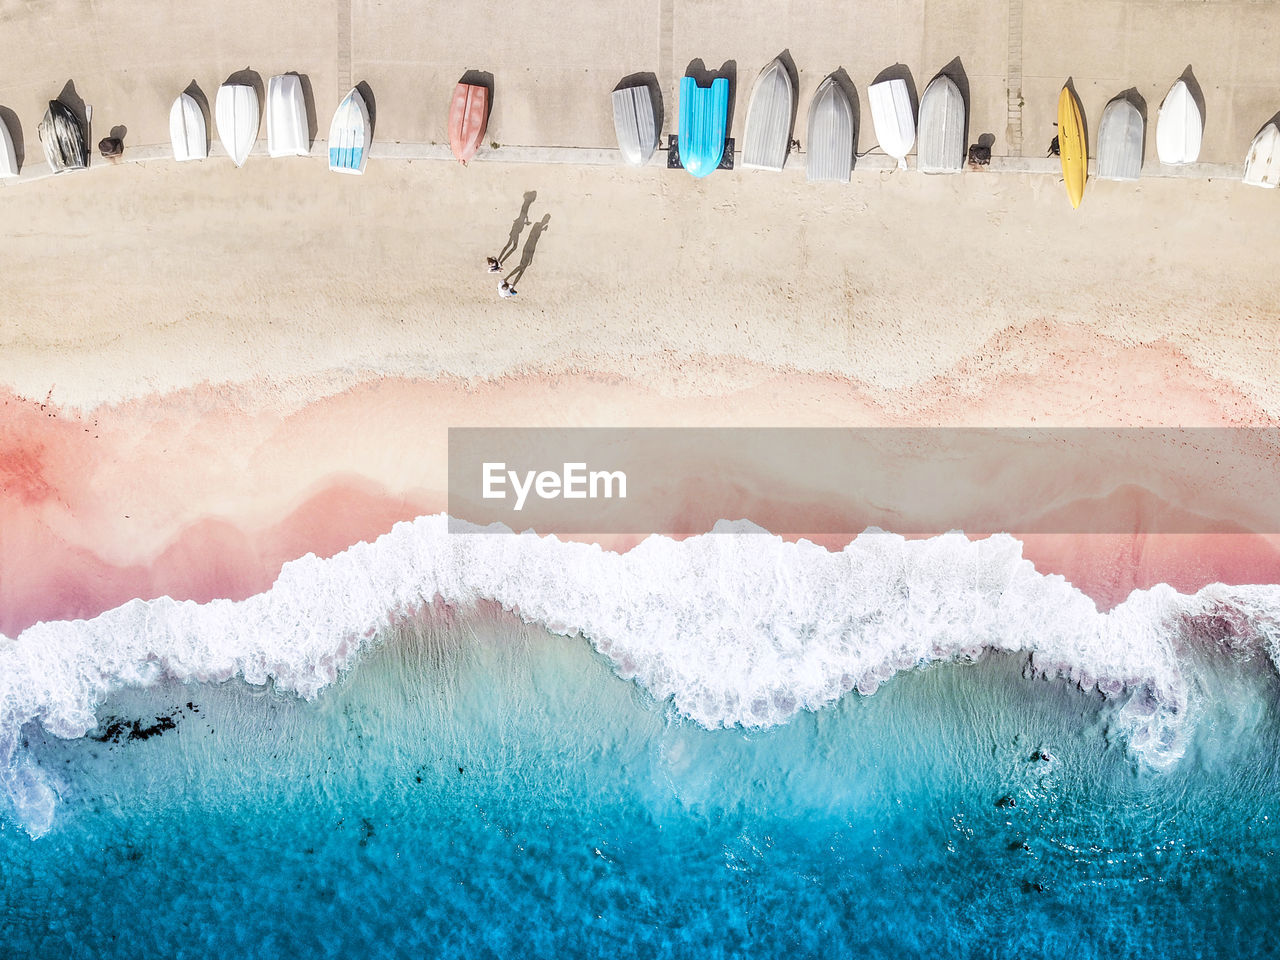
x=893, y=118
x=287, y=134
x=237, y=116
x=1179, y=126
x=468, y=119
x=704, y=115
x=187, y=130
x=1262, y=166
x=941, y=133
x=769, y=117
x=830, y=135
x=350, y=135
x=62, y=136
x=635, y=121
x=1120, y=141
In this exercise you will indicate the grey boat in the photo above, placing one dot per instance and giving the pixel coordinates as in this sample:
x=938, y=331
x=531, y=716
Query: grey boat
x=940, y=132
x=1120, y=141
x=635, y=120
x=62, y=137
x=830, y=138
x=769, y=116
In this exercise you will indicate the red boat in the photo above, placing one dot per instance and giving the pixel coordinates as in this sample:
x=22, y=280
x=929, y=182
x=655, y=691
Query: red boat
x=468, y=118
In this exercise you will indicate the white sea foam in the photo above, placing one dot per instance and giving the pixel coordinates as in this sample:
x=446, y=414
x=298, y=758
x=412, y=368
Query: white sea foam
x=735, y=627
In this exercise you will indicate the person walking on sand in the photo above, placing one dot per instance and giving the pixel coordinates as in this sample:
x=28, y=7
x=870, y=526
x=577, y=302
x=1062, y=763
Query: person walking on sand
x=506, y=290
x=494, y=265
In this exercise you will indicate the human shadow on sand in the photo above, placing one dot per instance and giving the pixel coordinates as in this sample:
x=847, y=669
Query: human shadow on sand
x=530, y=245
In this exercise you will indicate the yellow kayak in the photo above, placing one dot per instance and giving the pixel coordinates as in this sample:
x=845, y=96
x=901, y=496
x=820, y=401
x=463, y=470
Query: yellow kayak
x=1072, y=149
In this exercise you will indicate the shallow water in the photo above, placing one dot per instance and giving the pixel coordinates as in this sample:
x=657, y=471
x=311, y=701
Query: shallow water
x=480, y=787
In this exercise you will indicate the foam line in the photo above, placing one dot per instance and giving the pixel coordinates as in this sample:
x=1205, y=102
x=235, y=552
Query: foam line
x=733, y=627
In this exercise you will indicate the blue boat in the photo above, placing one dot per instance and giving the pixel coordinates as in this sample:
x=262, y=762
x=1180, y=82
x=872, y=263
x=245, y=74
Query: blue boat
x=704, y=113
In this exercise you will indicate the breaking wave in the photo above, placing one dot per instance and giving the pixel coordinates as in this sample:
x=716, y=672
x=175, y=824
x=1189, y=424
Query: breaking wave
x=735, y=628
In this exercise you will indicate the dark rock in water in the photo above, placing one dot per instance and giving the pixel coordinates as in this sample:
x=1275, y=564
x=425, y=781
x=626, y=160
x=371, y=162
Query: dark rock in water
x=366, y=831
x=1006, y=801
x=116, y=729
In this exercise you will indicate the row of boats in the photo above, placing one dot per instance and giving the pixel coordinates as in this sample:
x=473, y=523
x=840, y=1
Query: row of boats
x=238, y=115
x=703, y=120
x=700, y=145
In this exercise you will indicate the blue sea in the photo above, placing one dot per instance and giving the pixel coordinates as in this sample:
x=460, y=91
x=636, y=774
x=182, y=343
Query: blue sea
x=476, y=786
x=493, y=746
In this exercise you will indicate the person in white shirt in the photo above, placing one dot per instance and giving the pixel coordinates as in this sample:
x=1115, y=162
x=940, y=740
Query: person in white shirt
x=506, y=290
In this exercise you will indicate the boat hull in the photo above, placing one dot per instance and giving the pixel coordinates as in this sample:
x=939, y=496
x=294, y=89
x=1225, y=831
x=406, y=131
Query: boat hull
x=237, y=114
x=1120, y=136
x=893, y=118
x=704, y=115
x=1179, y=127
x=769, y=119
x=1262, y=166
x=62, y=137
x=8, y=156
x=187, y=130
x=941, y=134
x=468, y=119
x=636, y=123
x=1072, y=149
x=830, y=135
x=350, y=134
x=287, y=134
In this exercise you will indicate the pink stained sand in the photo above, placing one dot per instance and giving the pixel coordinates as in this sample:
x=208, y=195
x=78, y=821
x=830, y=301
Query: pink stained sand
x=206, y=493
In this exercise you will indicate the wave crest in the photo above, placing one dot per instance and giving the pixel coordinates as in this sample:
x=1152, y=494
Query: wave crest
x=736, y=627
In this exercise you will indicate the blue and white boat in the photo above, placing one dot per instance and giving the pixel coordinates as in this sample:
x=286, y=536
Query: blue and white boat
x=350, y=135
x=704, y=115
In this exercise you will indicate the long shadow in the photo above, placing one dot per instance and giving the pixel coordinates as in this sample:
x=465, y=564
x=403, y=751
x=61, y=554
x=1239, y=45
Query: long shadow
x=650, y=80
x=75, y=103
x=843, y=81
x=1193, y=88
x=530, y=245
x=366, y=93
x=703, y=77
x=309, y=102
x=195, y=93
x=1140, y=102
x=900, y=71
x=517, y=226
x=10, y=119
x=955, y=71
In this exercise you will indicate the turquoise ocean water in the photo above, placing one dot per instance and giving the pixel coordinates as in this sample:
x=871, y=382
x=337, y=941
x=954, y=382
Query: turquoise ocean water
x=474, y=786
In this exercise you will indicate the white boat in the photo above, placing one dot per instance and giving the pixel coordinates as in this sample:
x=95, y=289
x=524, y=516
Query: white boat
x=8, y=158
x=1179, y=127
x=941, y=127
x=1262, y=167
x=894, y=121
x=830, y=137
x=1120, y=141
x=350, y=135
x=287, y=134
x=187, y=129
x=768, y=132
x=237, y=118
x=635, y=121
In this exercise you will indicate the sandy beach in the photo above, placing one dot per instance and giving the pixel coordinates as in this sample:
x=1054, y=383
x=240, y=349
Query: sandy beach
x=211, y=371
